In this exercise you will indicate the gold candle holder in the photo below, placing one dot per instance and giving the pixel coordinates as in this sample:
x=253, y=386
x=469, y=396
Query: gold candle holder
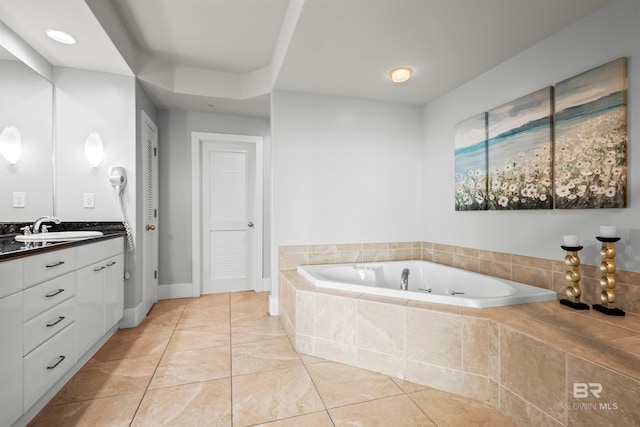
x=608, y=280
x=572, y=260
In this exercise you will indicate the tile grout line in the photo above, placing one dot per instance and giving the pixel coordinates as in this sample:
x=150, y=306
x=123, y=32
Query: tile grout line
x=326, y=410
x=420, y=407
x=565, y=414
x=309, y=374
x=156, y=368
x=230, y=361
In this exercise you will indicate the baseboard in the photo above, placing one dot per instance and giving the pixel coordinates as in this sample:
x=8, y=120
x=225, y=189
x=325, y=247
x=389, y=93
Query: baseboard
x=133, y=316
x=176, y=290
x=274, y=305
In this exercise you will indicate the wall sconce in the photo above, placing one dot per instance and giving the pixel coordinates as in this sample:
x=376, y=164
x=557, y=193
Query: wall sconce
x=93, y=149
x=10, y=144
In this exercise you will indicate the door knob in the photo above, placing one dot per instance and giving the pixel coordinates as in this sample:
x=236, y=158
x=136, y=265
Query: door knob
x=250, y=224
x=151, y=227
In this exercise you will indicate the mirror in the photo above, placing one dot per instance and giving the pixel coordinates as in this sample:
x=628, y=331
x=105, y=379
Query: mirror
x=26, y=103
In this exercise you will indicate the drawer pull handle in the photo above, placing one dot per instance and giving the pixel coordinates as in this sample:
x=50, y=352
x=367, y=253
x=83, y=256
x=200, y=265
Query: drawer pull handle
x=54, y=264
x=109, y=264
x=102, y=267
x=54, y=293
x=60, y=319
x=57, y=363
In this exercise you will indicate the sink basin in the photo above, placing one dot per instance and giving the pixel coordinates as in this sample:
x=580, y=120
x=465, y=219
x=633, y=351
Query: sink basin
x=57, y=236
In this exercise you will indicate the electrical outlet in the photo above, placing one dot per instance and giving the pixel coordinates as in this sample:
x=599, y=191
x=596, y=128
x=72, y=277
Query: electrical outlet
x=89, y=200
x=19, y=199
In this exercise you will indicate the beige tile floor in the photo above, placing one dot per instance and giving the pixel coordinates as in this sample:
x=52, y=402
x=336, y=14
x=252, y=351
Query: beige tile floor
x=221, y=360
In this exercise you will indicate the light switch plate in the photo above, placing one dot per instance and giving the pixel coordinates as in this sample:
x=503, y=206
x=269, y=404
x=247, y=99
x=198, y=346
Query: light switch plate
x=89, y=200
x=19, y=199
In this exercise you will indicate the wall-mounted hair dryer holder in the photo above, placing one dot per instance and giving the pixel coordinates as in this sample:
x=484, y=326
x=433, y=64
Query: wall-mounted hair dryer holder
x=118, y=178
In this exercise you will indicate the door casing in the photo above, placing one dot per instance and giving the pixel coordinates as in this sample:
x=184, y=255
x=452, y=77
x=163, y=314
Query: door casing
x=197, y=138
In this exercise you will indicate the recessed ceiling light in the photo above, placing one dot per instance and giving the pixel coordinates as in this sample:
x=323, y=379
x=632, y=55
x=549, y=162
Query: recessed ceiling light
x=400, y=74
x=61, y=37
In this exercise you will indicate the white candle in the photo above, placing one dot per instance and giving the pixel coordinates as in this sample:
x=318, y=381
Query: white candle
x=571, y=241
x=608, y=231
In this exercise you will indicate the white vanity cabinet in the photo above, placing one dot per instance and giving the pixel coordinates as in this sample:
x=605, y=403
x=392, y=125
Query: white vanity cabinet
x=49, y=343
x=89, y=303
x=42, y=267
x=11, y=303
x=55, y=307
x=46, y=295
x=113, y=291
x=46, y=325
x=100, y=293
x=45, y=365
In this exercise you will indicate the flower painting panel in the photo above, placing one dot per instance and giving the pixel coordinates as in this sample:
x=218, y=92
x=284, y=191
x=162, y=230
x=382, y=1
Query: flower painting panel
x=471, y=163
x=519, y=153
x=591, y=139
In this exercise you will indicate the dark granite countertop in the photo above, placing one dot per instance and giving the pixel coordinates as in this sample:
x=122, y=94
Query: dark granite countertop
x=10, y=248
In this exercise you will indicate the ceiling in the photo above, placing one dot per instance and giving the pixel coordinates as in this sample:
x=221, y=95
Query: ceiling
x=227, y=56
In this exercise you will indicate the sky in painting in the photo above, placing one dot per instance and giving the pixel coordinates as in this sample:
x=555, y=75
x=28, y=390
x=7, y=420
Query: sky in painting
x=591, y=85
x=519, y=112
x=471, y=131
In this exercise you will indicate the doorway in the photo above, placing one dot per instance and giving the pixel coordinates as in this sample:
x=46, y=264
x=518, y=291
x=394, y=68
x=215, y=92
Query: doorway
x=227, y=212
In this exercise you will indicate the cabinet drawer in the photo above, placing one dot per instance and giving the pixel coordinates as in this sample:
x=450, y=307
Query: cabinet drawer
x=38, y=268
x=114, y=247
x=47, y=364
x=42, y=327
x=42, y=297
x=90, y=253
x=11, y=273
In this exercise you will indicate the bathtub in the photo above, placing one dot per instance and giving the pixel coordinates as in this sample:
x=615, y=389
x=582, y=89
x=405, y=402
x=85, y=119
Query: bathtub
x=428, y=282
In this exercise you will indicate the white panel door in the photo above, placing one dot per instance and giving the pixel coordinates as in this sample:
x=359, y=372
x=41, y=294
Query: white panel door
x=228, y=194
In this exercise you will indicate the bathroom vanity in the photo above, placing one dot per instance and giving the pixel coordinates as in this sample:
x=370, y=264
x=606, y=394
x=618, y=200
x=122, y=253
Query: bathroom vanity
x=59, y=302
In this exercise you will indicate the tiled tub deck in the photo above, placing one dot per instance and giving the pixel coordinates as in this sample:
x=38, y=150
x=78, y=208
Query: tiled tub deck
x=524, y=360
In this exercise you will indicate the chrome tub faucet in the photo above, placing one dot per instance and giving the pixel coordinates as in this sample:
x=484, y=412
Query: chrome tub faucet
x=404, y=279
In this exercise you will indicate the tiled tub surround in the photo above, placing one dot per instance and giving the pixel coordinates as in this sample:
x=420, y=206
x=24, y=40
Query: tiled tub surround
x=523, y=359
x=544, y=273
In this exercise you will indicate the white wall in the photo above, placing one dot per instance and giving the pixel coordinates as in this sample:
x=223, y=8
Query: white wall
x=606, y=35
x=174, y=158
x=344, y=171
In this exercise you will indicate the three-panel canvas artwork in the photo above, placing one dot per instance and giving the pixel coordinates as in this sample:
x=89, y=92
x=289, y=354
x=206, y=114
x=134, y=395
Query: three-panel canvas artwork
x=562, y=147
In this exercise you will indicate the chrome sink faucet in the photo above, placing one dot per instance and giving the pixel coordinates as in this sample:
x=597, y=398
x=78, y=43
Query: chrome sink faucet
x=37, y=226
x=404, y=279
